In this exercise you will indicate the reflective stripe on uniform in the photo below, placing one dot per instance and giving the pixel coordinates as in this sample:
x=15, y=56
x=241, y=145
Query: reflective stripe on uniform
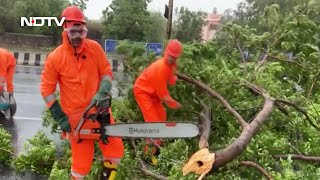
x=107, y=77
x=50, y=98
x=76, y=175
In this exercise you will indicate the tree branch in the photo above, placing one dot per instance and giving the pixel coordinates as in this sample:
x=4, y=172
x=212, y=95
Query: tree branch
x=257, y=166
x=143, y=166
x=315, y=79
x=206, y=117
x=261, y=91
x=250, y=108
x=8, y=151
x=214, y=94
x=241, y=53
x=237, y=147
x=283, y=60
x=299, y=110
x=313, y=159
x=264, y=60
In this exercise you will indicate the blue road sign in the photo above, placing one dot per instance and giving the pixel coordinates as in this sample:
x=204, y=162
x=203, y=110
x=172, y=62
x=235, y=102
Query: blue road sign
x=110, y=45
x=155, y=47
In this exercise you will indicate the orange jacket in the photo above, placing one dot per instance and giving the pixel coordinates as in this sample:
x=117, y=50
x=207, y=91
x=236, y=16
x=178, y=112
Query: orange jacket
x=7, y=68
x=78, y=74
x=153, y=80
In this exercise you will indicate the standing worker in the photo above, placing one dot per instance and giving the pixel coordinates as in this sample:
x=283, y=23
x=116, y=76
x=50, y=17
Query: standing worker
x=84, y=75
x=7, y=68
x=150, y=90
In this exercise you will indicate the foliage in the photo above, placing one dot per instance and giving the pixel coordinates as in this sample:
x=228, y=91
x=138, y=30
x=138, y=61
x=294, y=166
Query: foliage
x=189, y=25
x=290, y=38
x=127, y=20
x=39, y=155
x=12, y=10
x=80, y=3
x=158, y=27
x=61, y=167
x=223, y=64
x=95, y=29
x=6, y=148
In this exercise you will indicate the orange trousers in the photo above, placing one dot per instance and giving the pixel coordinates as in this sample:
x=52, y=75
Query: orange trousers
x=83, y=152
x=152, y=110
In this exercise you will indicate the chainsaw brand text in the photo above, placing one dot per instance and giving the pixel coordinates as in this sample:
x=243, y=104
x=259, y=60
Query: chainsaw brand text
x=40, y=21
x=144, y=131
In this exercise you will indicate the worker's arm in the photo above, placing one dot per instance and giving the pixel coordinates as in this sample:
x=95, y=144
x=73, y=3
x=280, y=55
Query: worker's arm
x=49, y=80
x=3, y=70
x=105, y=74
x=160, y=83
x=10, y=74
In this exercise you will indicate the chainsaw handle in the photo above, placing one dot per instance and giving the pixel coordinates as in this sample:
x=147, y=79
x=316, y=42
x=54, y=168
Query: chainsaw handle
x=87, y=109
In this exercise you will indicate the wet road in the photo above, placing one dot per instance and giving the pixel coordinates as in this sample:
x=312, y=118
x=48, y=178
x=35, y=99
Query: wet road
x=27, y=120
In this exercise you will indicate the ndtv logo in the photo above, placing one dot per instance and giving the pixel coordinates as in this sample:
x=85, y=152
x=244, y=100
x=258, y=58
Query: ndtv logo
x=40, y=21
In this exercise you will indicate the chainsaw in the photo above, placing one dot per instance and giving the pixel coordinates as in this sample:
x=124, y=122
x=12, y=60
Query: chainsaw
x=163, y=130
x=10, y=112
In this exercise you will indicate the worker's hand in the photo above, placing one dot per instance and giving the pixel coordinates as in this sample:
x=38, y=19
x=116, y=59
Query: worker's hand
x=59, y=116
x=173, y=104
x=4, y=106
x=104, y=89
x=64, y=124
x=173, y=80
x=97, y=98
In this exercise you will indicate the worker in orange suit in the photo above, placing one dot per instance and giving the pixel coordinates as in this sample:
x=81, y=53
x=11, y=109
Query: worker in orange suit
x=150, y=91
x=84, y=75
x=7, y=68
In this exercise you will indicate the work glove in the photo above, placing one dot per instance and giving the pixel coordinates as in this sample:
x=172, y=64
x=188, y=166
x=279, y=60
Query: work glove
x=104, y=89
x=4, y=106
x=59, y=116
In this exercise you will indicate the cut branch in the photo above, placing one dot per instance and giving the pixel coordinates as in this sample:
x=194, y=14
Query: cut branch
x=143, y=167
x=257, y=166
x=237, y=147
x=206, y=117
x=214, y=94
x=299, y=110
x=313, y=159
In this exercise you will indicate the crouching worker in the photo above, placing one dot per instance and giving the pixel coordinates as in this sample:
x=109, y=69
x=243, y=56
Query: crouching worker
x=150, y=92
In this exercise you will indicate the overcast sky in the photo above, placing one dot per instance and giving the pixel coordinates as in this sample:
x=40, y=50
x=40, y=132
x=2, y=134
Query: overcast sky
x=95, y=7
